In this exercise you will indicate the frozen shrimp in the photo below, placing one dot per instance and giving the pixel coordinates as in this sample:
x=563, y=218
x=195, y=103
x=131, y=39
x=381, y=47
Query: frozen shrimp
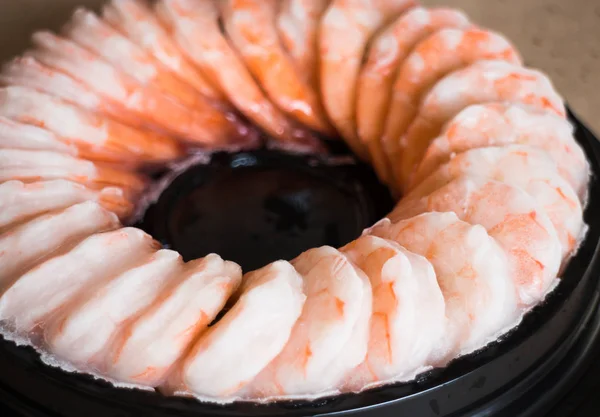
x=498, y=124
x=472, y=271
x=233, y=351
x=153, y=343
x=32, y=166
x=195, y=26
x=251, y=28
x=511, y=216
x=115, y=303
x=483, y=81
x=325, y=344
x=526, y=167
x=27, y=244
x=48, y=290
x=346, y=28
x=208, y=125
x=385, y=55
x=88, y=130
x=408, y=317
x=136, y=20
x=439, y=54
x=20, y=202
x=16, y=135
x=298, y=26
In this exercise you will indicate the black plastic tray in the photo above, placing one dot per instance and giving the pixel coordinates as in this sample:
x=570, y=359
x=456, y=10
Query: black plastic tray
x=523, y=374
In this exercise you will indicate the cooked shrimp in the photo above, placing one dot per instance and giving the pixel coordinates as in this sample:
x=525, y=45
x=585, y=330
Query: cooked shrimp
x=408, y=311
x=472, y=271
x=32, y=166
x=526, y=167
x=483, y=81
x=434, y=57
x=136, y=20
x=20, y=202
x=497, y=124
x=152, y=344
x=240, y=345
x=49, y=289
x=123, y=94
x=511, y=216
x=195, y=26
x=385, y=55
x=113, y=140
x=310, y=363
x=27, y=244
x=345, y=30
x=251, y=28
x=209, y=126
x=298, y=26
x=15, y=135
x=110, y=307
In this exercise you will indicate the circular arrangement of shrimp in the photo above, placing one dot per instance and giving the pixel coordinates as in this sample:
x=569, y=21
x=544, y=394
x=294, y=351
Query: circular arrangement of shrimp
x=444, y=111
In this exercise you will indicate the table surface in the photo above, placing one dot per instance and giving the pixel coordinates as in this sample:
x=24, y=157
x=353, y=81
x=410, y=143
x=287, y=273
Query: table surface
x=560, y=37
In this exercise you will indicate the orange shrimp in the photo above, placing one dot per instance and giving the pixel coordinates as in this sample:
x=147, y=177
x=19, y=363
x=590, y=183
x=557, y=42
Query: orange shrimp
x=298, y=26
x=483, y=81
x=94, y=135
x=19, y=201
x=509, y=215
x=439, y=54
x=497, y=124
x=385, y=55
x=195, y=26
x=136, y=20
x=346, y=28
x=251, y=28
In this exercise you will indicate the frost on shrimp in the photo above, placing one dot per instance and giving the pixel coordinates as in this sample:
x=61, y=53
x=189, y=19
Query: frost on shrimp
x=472, y=271
x=408, y=317
x=498, y=124
x=229, y=355
x=526, y=167
x=511, y=216
x=331, y=336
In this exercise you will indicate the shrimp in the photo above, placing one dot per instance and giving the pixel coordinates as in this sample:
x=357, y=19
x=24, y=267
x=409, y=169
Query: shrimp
x=136, y=20
x=32, y=166
x=346, y=28
x=251, y=27
x=233, y=351
x=209, y=125
x=20, y=202
x=125, y=97
x=154, y=342
x=298, y=26
x=511, y=216
x=25, y=245
x=16, y=135
x=195, y=27
x=56, y=283
x=526, y=167
x=472, y=271
x=89, y=131
x=441, y=53
x=483, y=81
x=325, y=344
x=110, y=307
x=408, y=311
x=497, y=124
x=385, y=55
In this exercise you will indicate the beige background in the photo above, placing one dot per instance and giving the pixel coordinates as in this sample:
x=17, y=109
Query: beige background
x=562, y=37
